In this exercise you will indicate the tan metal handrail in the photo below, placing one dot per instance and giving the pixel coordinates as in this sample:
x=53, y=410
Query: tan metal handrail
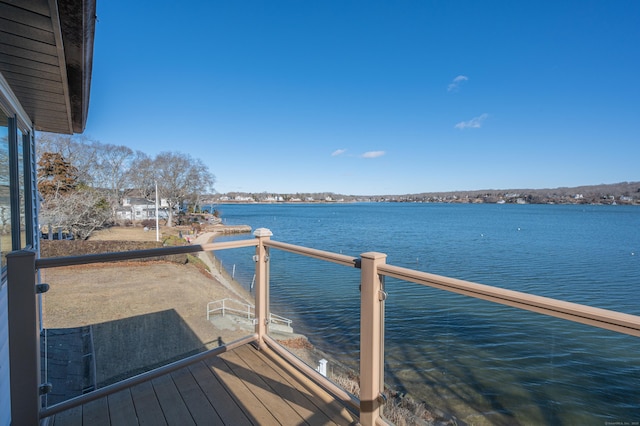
x=24, y=334
x=328, y=256
x=597, y=317
x=373, y=267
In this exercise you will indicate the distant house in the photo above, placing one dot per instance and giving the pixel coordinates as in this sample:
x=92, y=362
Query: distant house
x=244, y=199
x=140, y=209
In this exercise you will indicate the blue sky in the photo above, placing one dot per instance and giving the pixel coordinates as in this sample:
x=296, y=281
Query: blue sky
x=375, y=97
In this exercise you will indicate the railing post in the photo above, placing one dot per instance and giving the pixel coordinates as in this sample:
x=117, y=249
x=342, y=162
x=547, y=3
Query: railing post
x=262, y=283
x=24, y=338
x=372, y=298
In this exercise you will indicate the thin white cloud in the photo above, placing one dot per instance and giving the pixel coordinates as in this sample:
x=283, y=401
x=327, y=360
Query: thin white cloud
x=373, y=154
x=455, y=84
x=338, y=152
x=474, y=123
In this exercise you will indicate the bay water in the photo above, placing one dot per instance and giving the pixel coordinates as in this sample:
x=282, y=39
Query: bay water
x=481, y=362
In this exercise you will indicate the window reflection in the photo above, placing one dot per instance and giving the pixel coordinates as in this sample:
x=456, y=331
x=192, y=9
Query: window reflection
x=23, y=239
x=5, y=205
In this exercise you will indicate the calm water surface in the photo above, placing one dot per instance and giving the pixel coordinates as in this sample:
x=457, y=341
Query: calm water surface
x=485, y=363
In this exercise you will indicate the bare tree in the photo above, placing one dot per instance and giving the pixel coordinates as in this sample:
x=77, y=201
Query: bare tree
x=180, y=178
x=77, y=150
x=80, y=212
x=111, y=167
x=105, y=171
x=141, y=176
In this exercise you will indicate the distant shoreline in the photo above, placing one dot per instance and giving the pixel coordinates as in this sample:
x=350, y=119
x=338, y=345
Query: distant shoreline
x=634, y=202
x=627, y=193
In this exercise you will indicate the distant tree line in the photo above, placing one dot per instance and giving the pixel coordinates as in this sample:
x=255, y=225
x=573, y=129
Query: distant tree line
x=619, y=193
x=82, y=181
x=622, y=192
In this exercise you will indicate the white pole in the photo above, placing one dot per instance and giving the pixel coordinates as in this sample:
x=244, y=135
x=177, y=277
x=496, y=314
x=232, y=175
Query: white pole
x=157, y=225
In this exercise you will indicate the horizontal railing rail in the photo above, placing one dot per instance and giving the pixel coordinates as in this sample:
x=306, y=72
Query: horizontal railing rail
x=54, y=262
x=317, y=254
x=373, y=268
x=597, y=317
x=589, y=315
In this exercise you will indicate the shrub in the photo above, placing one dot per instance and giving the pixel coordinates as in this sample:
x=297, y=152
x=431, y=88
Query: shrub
x=173, y=240
x=148, y=223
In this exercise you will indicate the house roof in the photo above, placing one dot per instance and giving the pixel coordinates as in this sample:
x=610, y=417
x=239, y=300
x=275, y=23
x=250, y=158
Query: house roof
x=46, y=54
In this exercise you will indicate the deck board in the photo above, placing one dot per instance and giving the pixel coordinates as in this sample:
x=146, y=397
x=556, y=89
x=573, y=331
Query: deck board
x=147, y=406
x=247, y=401
x=196, y=401
x=173, y=406
x=240, y=387
x=285, y=389
x=335, y=409
x=226, y=407
x=310, y=397
x=261, y=388
x=96, y=413
x=121, y=409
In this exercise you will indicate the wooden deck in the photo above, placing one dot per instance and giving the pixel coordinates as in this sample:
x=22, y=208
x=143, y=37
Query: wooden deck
x=241, y=387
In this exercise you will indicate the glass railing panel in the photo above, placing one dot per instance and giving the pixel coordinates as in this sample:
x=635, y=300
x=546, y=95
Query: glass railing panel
x=489, y=364
x=107, y=322
x=322, y=301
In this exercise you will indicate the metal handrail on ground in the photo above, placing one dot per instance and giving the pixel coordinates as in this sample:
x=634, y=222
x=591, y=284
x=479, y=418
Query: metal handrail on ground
x=235, y=307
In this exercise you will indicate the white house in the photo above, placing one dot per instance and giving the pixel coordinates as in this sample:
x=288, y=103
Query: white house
x=140, y=209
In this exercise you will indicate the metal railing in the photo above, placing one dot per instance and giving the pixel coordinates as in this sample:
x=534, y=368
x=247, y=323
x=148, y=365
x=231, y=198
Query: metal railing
x=24, y=332
x=241, y=309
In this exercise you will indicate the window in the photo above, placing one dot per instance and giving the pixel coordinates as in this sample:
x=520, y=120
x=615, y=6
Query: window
x=5, y=198
x=21, y=189
x=16, y=206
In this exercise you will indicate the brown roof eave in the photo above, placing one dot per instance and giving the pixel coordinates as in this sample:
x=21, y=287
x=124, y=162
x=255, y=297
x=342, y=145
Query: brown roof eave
x=77, y=23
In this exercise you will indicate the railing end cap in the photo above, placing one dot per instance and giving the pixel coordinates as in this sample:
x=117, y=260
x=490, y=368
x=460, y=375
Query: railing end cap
x=373, y=255
x=262, y=232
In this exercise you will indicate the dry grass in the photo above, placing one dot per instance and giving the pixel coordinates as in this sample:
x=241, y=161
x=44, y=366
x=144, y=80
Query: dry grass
x=149, y=312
